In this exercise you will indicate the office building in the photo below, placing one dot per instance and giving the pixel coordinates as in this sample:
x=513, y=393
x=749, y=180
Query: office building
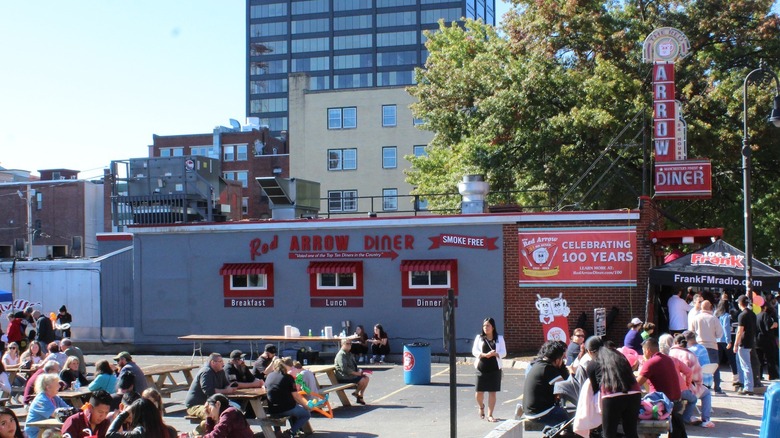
x=340, y=44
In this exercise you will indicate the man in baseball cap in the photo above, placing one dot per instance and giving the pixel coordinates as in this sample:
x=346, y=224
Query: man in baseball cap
x=241, y=376
x=262, y=366
x=131, y=378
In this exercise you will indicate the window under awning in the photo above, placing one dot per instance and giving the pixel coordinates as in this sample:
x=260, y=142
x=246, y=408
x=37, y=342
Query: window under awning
x=245, y=268
x=332, y=267
x=428, y=265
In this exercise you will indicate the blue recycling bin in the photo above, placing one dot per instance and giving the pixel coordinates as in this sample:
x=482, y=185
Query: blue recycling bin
x=417, y=364
x=770, y=421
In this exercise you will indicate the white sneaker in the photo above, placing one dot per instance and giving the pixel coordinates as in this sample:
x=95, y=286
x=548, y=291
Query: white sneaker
x=708, y=424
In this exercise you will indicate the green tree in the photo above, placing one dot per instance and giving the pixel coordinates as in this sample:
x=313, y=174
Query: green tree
x=555, y=105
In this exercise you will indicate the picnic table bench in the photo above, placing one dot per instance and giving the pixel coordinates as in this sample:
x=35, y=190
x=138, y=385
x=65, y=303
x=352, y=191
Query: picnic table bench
x=161, y=377
x=74, y=397
x=271, y=426
x=253, y=340
x=335, y=386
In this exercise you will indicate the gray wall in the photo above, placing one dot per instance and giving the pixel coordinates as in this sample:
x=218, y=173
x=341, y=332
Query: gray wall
x=178, y=289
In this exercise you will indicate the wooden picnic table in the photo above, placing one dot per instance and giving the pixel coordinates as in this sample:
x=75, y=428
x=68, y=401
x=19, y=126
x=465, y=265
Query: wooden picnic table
x=255, y=398
x=49, y=423
x=197, y=341
x=161, y=377
x=74, y=396
x=335, y=386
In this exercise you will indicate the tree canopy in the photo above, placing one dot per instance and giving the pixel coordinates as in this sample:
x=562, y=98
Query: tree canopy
x=556, y=109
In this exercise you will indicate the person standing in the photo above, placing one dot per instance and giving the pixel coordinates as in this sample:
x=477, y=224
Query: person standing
x=45, y=330
x=633, y=338
x=620, y=393
x=766, y=341
x=696, y=303
x=64, y=318
x=678, y=313
x=708, y=330
x=744, y=343
x=488, y=350
x=726, y=341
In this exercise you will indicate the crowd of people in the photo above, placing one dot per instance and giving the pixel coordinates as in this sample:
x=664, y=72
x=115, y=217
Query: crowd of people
x=604, y=383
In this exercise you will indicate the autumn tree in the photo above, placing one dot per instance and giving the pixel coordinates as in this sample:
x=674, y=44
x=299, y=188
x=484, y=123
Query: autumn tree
x=556, y=110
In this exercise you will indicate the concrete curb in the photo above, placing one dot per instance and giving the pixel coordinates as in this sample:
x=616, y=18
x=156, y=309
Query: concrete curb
x=507, y=429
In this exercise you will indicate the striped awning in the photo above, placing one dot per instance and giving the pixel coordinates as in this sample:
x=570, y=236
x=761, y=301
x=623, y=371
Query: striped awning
x=427, y=265
x=245, y=268
x=332, y=267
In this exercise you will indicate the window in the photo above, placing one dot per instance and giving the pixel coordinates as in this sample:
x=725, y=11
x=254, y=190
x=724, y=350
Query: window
x=349, y=5
x=342, y=159
x=268, y=47
x=336, y=279
x=396, y=19
x=352, y=42
x=268, y=67
x=342, y=200
x=38, y=201
x=419, y=150
x=429, y=277
x=270, y=10
x=389, y=157
x=387, y=78
x=396, y=39
x=319, y=82
x=311, y=64
x=274, y=123
x=418, y=122
x=311, y=45
x=268, y=29
x=171, y=152
x=228, y=153
x=433, y=15
x=241, y=175
x=353, y=61
x=268, y=105
x=396, y=58
x=357, y=80
x=268, y=86
x=247, y=280
x=245, y=205
x=388, y=115
x=352, y=22
x=241, y=153
x=342, y=118
x=389, y=199
x=310, y=6
x=310, y=26
x=200, y=151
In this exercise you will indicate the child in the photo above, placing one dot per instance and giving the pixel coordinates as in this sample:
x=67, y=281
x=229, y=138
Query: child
x=647, y=330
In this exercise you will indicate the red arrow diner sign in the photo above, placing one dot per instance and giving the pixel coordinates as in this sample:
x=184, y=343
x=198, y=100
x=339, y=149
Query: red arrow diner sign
x=683, y=179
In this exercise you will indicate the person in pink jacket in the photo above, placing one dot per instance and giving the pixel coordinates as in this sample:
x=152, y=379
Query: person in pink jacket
x=694, y=383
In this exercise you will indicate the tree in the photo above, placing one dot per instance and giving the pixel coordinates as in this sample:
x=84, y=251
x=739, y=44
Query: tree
x=560, y=98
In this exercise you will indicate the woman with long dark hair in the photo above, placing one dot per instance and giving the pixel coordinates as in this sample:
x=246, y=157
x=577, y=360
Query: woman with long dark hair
x=360, y=344
x=379, y=345
x=146, y=421
x=225, y=421
x=620, y=393
x=9, y=424
x=725, y=343
x=488, y=350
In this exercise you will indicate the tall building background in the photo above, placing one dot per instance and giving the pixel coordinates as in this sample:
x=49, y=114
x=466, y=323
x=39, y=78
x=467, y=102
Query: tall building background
x=340, y=44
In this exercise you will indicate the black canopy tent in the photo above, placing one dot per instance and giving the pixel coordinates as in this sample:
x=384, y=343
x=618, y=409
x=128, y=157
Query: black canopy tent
x=719, y=265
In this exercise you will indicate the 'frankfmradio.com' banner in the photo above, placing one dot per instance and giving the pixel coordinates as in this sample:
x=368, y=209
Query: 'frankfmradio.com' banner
x=560, y=257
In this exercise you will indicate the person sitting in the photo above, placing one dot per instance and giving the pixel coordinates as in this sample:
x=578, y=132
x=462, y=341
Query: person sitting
x=155, y=397
x=539, y=401
x=575, y=349
x=49, y=367
x=9, y=423
x=348, y=372
x=54, y=353
x=237, y=371
x=211, y=379
x=283, y=397
x=225, y=421
x=262, y=365
x=131, y=377
x=94, y=417
x=67, y=347
x=309, y=379
x=661, y=373
x=105, y=378
x=647, y=330
x=694, y=382
x=32, y=358
x=71, y=376
x=633, y=339
x=379, y=344
x=360, y=344
x=144, y=419
x=45, y=402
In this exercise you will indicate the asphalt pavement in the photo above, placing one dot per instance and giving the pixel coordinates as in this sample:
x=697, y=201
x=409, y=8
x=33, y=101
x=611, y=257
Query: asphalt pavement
x=395, y=409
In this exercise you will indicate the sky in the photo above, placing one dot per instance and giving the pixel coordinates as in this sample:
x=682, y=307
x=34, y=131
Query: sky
x=85, y=82
x=89, y=81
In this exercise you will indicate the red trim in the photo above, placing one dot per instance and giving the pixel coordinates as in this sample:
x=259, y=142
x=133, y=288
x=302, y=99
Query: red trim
x=700, y=235
x=114, y=237
x=267, y=269
x=332, y=268
x=245, y=268
x=427, y=265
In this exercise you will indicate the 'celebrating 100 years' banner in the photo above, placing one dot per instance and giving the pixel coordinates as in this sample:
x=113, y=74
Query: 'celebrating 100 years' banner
x=599, y=256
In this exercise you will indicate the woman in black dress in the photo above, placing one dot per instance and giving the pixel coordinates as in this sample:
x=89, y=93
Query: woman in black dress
x=488, y=350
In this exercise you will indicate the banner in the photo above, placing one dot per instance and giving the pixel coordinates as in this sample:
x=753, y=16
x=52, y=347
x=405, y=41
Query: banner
x=577, y=257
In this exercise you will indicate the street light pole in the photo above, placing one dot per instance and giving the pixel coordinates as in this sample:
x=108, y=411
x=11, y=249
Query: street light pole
x=758, y=76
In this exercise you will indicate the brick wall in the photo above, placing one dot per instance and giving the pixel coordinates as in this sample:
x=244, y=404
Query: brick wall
x=522, y=329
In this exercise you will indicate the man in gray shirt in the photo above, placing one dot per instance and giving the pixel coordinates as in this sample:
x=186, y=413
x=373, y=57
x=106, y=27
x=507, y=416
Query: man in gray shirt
x=131, y=378
x=211, y=379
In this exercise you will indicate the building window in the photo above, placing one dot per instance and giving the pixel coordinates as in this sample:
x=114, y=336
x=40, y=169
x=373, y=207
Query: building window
x=355, y=80
x=387, y=78
x=247, y=280
x=342, y=200
x=245, y=205
x=419, y=150
x=343, y=279
x=408, y=38
x=342, y=118
x=388, y=115
x=350, y=5
x=389, y=199
x=311, y=64
x=352, y=42
x=171, y=152
x=429, y=277
x=38, y=200
x=228, y=153
x=394, y=19
x=342, y=159
x=241, y=175
x=418, y=122
x=389, y=157
x=200, y=151
x=353, y=61
x=310, y=6
x=241, y=153
x=269, y=10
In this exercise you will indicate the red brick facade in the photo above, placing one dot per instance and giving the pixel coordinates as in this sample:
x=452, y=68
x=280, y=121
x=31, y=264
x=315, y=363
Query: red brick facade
x=523, y=331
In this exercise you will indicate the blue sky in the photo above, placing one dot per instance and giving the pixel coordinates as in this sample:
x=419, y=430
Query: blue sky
x=89, y=81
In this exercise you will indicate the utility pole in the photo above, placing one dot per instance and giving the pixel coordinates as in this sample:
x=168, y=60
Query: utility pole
x=30, y=230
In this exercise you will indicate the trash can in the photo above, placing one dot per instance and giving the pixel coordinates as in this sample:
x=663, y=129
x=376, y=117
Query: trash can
x=770, y=421
x=417, y=364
